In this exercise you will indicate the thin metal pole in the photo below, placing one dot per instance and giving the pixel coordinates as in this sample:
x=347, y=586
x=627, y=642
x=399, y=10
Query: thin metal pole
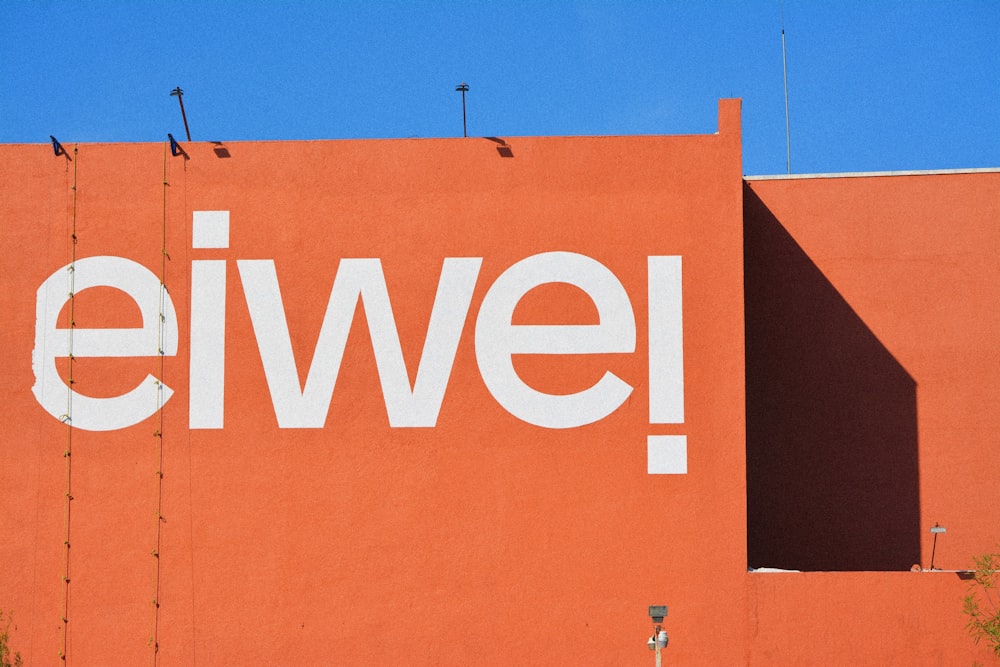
x=180, y=98
x=933, y=549
x=784, y=66
x=463, y=88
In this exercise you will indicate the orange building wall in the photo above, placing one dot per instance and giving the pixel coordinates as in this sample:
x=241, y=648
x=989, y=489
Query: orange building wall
x=485, y=538
x=859, y=618
x=481, y=539
x=910, y=263
x=914, y=257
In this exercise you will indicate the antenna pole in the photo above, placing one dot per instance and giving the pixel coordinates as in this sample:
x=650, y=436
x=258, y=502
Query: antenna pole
x=179, y=94
x=784, y=66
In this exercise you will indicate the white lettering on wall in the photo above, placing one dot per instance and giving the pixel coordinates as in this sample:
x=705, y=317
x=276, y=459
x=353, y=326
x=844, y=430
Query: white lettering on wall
x=51, y=342
x=306, y=407
x=666, y=455
x=666, y=341
x=209, y=229
x=497, y=340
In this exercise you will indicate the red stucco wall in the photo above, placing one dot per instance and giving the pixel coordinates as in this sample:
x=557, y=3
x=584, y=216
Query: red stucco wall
x=910, y=262
x=483, y=538
x=914, y=257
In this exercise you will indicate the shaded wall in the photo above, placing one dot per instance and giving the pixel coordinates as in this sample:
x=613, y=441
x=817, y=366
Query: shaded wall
x=912, y=260
x=832, y=456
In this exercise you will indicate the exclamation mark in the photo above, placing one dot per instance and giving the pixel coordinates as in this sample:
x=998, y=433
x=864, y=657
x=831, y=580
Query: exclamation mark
x=666, y=454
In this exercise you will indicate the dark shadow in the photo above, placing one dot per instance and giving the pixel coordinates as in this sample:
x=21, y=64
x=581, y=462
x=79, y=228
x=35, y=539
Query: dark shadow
x=832, y=470
x=59, y=149
x=176, y=149
x=504, y=148
x=220, y=150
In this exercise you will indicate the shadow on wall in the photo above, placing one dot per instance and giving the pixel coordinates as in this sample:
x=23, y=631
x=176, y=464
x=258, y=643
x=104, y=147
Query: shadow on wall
x=832, y=470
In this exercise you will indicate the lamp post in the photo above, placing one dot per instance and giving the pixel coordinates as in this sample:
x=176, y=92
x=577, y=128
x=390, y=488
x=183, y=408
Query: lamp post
x=936, y=529
x=179, y=94
x=463, y=88
x=659, y=640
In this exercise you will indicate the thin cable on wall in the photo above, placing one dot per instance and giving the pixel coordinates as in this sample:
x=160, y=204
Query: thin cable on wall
x=154, y=639
x=68, y=420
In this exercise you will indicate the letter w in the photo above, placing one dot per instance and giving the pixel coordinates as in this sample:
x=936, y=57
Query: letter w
x=307, y=407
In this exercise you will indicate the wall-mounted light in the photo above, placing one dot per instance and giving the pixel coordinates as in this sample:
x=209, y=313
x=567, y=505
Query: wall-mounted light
x=936, y=529
x=659, y=640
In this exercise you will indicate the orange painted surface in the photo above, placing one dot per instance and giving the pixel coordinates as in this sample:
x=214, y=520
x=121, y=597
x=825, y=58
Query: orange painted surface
x=484, y=537
x=481, y=539
x=911, y=261
x=859, y=618
x=915, y=259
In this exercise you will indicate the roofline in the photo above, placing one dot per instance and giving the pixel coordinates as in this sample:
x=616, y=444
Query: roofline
x=870, y=174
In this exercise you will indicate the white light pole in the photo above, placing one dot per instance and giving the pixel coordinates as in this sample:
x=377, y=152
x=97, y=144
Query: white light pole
x=659, y=640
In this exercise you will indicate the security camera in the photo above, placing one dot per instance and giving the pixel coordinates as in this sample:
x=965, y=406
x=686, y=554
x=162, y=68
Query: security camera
x=661, y=640
x=651, y=643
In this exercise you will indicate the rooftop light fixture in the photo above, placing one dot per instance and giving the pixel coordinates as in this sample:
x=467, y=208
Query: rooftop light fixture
x=463, y=88
x=179, y=94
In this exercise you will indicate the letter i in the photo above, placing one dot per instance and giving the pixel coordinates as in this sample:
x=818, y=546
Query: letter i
x=210, y=229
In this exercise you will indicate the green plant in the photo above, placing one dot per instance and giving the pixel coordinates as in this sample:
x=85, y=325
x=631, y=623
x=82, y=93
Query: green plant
x=7, y=658
x=982, y=604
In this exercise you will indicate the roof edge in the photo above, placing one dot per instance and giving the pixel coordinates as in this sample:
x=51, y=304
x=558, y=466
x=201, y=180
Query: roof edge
x=870, y=174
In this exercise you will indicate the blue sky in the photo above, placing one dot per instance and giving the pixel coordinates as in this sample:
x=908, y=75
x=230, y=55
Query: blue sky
x=873, y=85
